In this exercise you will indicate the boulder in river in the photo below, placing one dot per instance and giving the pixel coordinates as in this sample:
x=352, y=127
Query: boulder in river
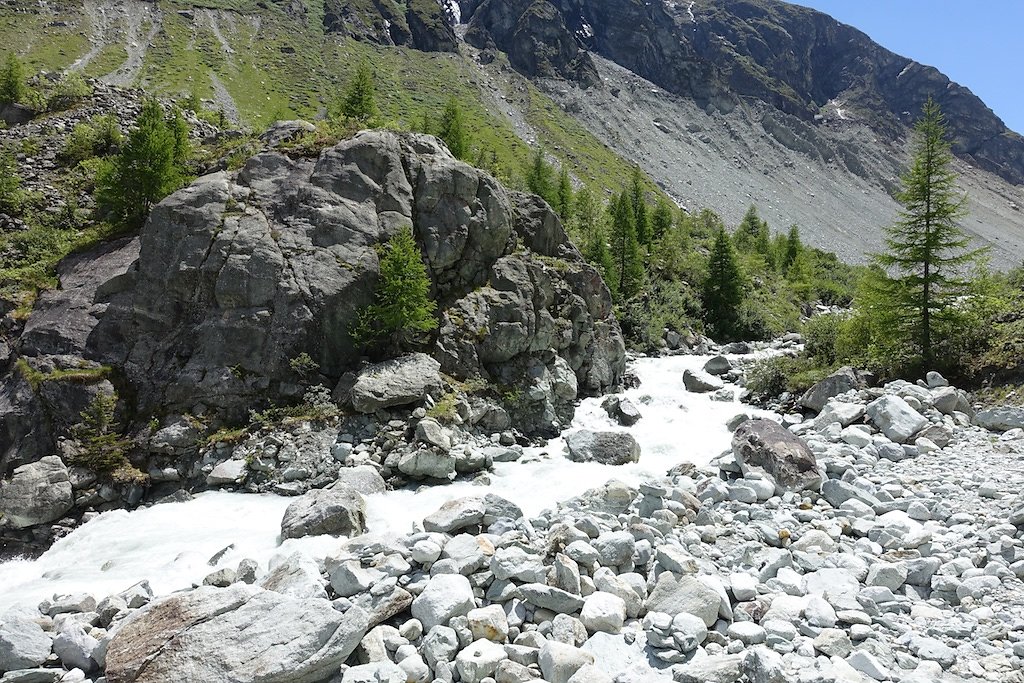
x=607, y=448
x=767, y=447
x=700, y=382
x=240, y=633
x=336, y=511
x=622, y=410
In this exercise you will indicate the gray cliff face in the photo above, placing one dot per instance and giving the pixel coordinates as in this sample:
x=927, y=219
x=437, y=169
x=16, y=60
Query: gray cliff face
x=239, y=273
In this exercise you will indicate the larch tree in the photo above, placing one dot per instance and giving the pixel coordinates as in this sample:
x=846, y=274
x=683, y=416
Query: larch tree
x=723, y=288
x=661, y=219
x=453, y=129
x=625, y=247
x=564, y=196
x=928, y=259
x=638, y=204
x=359, y=99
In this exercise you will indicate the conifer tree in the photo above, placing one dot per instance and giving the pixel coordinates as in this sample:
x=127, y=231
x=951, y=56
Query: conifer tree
x=564, y=196
x=661, y=219
x=723, y=289
x=749, y=230
x=148, y=168
x=402, y=312
x=625, y=247
x=359, y=100
x=12, y=80
x=638, y=204
x=453, y=129
x=539, y=177
x=928, y=254
x=794, y=247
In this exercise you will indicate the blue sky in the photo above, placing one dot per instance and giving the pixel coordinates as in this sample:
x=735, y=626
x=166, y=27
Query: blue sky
x=977, y=43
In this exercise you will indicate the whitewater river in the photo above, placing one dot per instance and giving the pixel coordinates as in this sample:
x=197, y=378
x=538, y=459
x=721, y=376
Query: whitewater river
x=170, y=545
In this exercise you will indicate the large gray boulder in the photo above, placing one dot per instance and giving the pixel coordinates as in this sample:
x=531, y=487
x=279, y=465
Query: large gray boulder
x=1001, y=418
x=338, y=511
x=841, y=381
x=241, y=633
x=767, y=447
x=607, y=448
x=37, y=493
x=23, y=644
x=396, y=382
x=895, y=418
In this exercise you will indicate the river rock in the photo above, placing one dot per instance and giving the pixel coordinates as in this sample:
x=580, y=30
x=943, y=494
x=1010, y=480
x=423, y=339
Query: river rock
x=622, y=410
x=376, y=672
x=764, y=446
x=427, y=464
x=338, y=511
x=559, y=662
x=39, y=492
x=894, y=416
x=479, y=660
x=241, y=633
x=445, y=596
x=700, y=382
x=23, y=644
x=673, y=594
x=456, y=515
x=1001, y=418
x=363, y=479
x=607, y=448
x=718, y=365
x=396, y=382
x=603, y=612
x=841, y=381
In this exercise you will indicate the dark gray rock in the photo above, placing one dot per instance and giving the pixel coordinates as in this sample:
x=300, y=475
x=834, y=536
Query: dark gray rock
x=622, y=410
x=607, y=448
x=767, y=447
x=839, y=382
x=336, y=511
x=37, y=493
x=1001, y=418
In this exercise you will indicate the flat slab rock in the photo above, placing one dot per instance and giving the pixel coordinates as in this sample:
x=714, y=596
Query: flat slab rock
x=396, y=382
x=241, y=634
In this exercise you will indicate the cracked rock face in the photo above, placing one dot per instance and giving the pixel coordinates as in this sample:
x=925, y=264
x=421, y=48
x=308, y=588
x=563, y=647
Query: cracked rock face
x=240, y=633
x=240, y=272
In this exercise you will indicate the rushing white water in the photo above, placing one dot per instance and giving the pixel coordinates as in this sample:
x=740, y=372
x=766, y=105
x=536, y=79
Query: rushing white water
x=170, y=545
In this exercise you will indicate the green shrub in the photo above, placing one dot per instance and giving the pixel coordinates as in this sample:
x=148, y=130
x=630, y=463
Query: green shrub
x=821, y=332
x=11, y=195
x=68, y=91
x=98, y=137
x=12, y=80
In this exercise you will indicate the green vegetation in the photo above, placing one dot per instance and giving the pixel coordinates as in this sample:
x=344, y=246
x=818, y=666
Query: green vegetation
x=35, y=378
x=402, y=312
x=723, y=289
x=103, y=449
x=453, y=130
x=149, y=167
x=928, y=255
x=928, y=303
x=67, y=92
x=98, y=137
x=11, y=196
x=12, y=80
x=359, y=100
x=303, y=365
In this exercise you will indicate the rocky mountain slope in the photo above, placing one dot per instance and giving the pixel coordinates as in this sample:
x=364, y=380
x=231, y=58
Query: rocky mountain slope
x=242, y=291
x=724, y=103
